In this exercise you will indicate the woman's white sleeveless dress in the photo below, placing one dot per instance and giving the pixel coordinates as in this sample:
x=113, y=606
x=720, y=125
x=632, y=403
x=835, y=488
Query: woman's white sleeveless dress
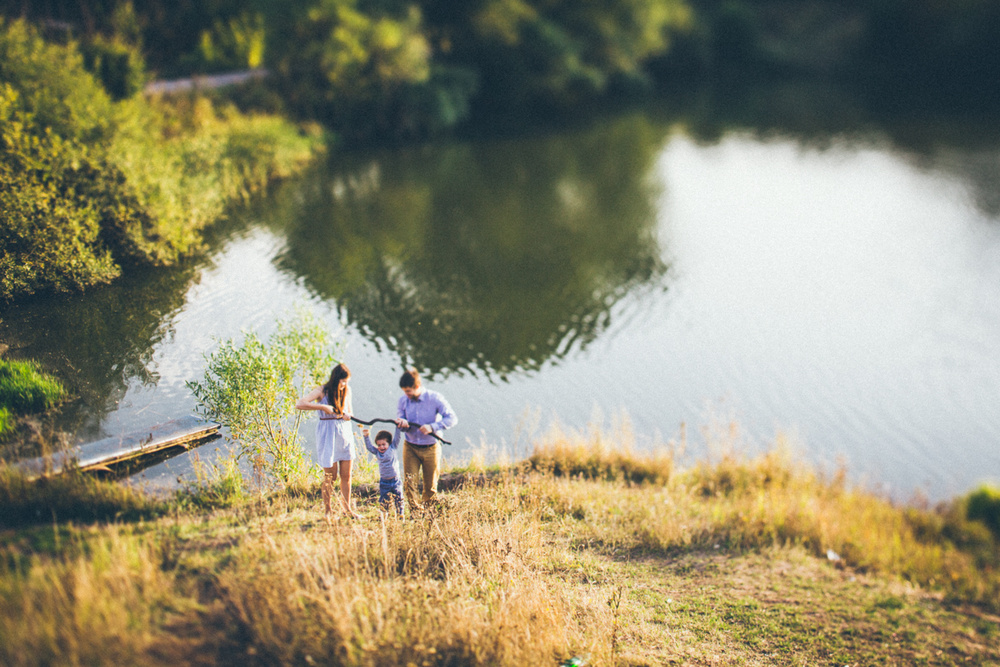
x=334, y=438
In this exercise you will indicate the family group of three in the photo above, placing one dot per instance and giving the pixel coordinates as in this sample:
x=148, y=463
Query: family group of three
x=420, y=413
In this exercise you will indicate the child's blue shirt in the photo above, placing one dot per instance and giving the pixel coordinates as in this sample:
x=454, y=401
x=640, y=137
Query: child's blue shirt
x=388, y=462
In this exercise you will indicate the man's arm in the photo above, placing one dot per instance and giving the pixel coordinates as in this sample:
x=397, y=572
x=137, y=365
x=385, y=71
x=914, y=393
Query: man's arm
x=448, y=416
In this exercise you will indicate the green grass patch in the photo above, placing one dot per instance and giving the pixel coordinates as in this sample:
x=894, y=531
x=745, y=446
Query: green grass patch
x=26, y=389
x=983, y=505
x=6, y=422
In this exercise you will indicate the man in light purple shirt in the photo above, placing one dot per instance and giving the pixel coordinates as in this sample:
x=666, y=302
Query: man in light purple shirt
x=419, y=413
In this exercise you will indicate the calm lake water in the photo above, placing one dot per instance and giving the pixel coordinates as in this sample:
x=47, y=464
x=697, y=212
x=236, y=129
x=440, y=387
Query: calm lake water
x=796, y=268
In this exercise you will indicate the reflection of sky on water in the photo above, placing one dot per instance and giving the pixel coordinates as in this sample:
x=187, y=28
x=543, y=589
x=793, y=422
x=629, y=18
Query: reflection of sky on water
x=840, y=293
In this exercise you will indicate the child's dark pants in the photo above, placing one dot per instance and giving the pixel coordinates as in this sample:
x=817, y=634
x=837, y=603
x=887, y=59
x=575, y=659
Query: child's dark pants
x=391, y=489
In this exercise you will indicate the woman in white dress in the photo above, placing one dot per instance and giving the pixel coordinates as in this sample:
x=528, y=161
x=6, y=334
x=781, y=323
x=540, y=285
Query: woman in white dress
x=334, y=435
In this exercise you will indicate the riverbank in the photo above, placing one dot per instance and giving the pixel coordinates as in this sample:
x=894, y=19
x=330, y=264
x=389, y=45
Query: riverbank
x=583, y=552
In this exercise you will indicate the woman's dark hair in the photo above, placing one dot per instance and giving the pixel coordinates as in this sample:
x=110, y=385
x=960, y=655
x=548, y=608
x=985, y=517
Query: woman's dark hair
x=410, y=378
x=383, y=435
x=334, y=392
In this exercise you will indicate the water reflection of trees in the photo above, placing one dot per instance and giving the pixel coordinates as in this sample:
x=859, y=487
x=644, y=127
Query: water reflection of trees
x=485, y=257
x=100, y=342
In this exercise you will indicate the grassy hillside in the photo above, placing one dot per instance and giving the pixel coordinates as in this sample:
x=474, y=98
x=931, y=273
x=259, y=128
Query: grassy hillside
x=584, y=553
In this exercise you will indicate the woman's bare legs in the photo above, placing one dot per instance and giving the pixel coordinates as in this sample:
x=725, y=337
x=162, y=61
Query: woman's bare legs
x=329, y=477
x=345, y=488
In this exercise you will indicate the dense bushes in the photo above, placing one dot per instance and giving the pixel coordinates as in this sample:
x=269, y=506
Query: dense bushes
x=400, y=69
x=185, y=162
x=49, y=232
x=351, y=68
x=88, y=184
x=392, y=69
x=54, y=85
x=556, y=54
x=983, y=505
x=56, y=122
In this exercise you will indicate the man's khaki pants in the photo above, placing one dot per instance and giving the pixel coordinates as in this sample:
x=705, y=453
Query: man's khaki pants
x=416, y=457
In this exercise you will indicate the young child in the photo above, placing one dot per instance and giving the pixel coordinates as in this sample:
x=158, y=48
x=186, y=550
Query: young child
x=390, y=484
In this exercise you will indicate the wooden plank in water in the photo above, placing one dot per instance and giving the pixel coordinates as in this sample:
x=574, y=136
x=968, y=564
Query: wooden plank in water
x=102, y=453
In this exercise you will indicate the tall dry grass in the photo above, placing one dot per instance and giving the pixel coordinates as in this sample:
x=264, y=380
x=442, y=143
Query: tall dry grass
x=467, y=584
x=598, y=453
x=739, y=501
x=461, y=587
x=100, y=605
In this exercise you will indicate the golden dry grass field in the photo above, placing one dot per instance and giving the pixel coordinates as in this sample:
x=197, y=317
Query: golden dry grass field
x=584, y=554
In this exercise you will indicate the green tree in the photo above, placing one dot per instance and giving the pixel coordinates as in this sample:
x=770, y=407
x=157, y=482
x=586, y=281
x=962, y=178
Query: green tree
x=350, y=66
x=555, y=52
x=235, y=43
x=54, y=85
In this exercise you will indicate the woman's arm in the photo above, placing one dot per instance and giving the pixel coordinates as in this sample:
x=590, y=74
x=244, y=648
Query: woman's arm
x=308, y=402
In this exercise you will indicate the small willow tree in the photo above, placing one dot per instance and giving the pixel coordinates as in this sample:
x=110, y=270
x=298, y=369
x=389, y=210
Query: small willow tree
x=251, y=387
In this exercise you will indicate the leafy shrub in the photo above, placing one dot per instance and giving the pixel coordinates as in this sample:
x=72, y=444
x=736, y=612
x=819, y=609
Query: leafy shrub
x=24, y=389
x=556, y=54
x=50, y=231
x=983, y=505
x=251, y=388
x=236, y=43
x=198, y=159
x=54, y=85
x=352, y=66
x=119, y=67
